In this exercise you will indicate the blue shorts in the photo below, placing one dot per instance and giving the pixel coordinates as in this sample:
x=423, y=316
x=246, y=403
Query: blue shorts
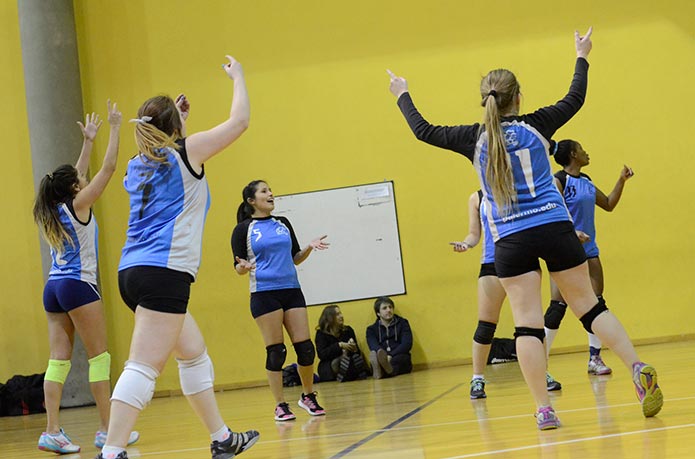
x=64, y=295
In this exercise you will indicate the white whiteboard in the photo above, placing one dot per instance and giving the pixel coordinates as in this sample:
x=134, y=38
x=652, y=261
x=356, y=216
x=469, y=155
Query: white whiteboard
x=364, y=258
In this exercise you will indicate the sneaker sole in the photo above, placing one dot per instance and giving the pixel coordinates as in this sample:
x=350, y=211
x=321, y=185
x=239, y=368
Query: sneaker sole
x=549, y=427
x=306, y=408
x=249, y=444
x=554, y=388
x=600, y=373
x=58, y=451
x=285, y=419
x=478, y=397
x=653, y=399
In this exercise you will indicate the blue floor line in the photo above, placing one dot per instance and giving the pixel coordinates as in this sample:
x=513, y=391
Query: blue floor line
x=372, y=436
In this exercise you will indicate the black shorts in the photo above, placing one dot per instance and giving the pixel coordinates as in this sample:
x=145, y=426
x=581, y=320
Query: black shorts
x=273, y=300
x=487, y=269
x=155, y=288
x=556, y=243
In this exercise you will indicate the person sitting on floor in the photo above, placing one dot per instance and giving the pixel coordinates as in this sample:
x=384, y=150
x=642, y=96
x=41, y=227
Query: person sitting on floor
x=390, y=340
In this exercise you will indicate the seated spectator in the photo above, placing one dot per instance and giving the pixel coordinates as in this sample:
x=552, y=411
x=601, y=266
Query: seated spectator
x=339, y=356
x=389, y=340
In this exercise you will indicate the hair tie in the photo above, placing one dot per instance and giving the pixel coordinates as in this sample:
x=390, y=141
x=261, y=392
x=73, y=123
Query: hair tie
x=141, y=120
x=555, y=147
x=50, y=176
x=492, y=93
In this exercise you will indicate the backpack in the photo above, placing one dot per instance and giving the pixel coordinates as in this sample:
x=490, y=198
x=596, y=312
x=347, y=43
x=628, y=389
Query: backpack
x=502, y=350
x=22, y=395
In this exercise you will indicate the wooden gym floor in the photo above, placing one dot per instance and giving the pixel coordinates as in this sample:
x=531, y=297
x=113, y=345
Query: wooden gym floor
x=427, y=414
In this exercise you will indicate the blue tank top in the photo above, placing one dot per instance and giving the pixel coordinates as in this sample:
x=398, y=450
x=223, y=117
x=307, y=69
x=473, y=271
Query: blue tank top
x=168, y=205
x=580, y=197
x=271, y=244
x=488, y=249
x=79, y=259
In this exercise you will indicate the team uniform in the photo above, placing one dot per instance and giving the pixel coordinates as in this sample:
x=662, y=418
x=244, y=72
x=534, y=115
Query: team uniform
x=271, y=244
x=539, y=225
x=168, y=205
x=487, y=257
x=580, y=198
x=73, y=276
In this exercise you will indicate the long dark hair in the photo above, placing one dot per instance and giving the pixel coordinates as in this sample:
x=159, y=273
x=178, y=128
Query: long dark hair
x=55, y=188
x=564, y=150
x=161, y=131
x=327, y=321
x=245, y=208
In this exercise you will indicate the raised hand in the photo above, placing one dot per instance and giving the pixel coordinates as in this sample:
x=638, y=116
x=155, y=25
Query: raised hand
x=91, y=125
x=245, y=265
x=183, y=106
x=233, y=68
x=319, y=244
x=398, y=84
x=583, y=43
x=461, y=246
x=626, y=173
x=115, y=116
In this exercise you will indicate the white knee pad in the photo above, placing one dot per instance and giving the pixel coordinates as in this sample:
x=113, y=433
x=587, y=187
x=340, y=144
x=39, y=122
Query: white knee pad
x=135, y=387
x=197, y=374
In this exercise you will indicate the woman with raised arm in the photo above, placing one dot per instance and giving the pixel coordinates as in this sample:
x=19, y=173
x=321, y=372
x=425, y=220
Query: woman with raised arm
x=169, y=199
x=266, y=248
x=581, y=197
x=529, y=220
x=63, y=212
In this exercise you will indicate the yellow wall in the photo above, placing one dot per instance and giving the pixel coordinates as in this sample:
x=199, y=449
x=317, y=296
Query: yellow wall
x=322, y=117
x=23, y=340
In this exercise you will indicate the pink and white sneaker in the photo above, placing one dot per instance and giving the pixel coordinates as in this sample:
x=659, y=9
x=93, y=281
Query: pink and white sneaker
x=309, y=403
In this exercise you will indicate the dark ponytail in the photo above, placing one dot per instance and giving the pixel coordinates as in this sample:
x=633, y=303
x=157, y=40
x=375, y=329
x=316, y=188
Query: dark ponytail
x=563, y=151
x=245, y=209
x=55, y=188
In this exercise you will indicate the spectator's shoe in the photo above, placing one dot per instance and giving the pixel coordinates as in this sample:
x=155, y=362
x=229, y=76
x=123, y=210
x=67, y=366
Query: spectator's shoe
x=121, y=455
x=551, y=383
x=57, y=443
x=648, y=391
x=478, y=388
x=376, y=368
x=546, y=418
x=100, y=438
x=236, y=444
x=383, y=358
x=283, y=413
x=597, y=367
x=309, y=403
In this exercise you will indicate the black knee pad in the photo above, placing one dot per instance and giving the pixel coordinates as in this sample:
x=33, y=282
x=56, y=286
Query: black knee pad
x=485, y=332
x=305, y=353
x=554, y=314
x=275, y=358
x=588, y=318
x=526, y=331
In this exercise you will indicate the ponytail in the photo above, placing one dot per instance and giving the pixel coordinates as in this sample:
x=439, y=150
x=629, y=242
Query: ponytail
x=498, y=89
x=563, y=152
x=151, y=141
x=54, y=189
x=245, y=209
x=157, y=127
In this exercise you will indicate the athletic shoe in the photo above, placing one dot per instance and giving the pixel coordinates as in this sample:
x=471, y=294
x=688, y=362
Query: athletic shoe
x=477, y=388
x=121, y=455
x=551, y=383
x=309, y=403
x=100, y=438
x=383, y=358
x=597, y=367
x=283, y=412
x=376, y=368
x=236, y=444
x=648, y=391
x=57, y=443
x=546, y=418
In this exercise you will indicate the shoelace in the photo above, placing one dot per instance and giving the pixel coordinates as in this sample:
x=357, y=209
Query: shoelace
x=312, y=400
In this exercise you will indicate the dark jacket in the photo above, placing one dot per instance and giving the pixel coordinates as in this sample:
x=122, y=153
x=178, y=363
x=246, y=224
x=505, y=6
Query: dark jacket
x=395, y=339
x=328, y=349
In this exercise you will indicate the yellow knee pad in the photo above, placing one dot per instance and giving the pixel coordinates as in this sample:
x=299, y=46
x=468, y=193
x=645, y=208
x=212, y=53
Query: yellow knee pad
x=100, y=367
x=57, y=370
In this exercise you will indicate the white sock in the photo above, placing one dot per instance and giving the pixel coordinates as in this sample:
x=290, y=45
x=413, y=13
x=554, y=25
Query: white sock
x=221, y=435
x=594, y=341
x=549, y=338
x=111, y=452
x=478, y=377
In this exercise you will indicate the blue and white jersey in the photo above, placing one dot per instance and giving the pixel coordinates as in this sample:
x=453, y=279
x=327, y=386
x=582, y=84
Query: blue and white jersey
x=538, y=199
x=580, y=197
x=527, y=143
x=79, y=259
x=168, y=205
x=271, y=244
x=488, y=249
